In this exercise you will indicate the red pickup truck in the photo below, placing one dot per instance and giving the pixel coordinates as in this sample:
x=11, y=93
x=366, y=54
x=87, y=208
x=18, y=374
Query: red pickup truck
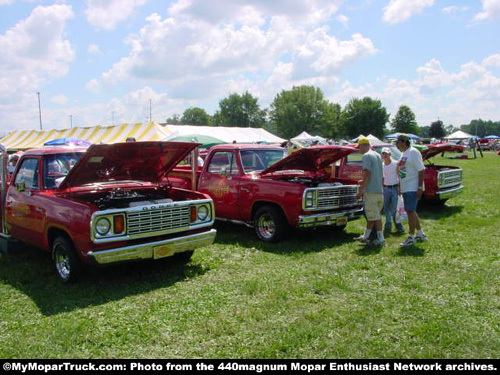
x=441, y=182
x=258, y=186
x=104, y=204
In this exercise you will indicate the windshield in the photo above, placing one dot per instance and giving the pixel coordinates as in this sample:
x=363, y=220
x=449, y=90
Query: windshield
x=57, y=166
x=258, y=160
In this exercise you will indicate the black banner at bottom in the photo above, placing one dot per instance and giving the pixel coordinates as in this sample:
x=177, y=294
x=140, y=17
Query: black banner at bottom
x=247, y=366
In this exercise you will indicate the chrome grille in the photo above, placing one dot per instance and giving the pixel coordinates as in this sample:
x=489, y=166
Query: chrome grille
x=337, y=197
x=163, y=219
x=449, y=178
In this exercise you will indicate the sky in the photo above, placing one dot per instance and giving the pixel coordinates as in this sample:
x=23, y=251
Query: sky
x=105, y=62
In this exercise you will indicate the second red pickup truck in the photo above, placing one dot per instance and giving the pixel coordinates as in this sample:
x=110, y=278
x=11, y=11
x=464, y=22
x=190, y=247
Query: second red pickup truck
x=258, y=186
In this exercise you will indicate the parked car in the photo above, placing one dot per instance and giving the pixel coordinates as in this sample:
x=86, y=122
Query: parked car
x=441, y=182
x=258, y=186
x=104, y=204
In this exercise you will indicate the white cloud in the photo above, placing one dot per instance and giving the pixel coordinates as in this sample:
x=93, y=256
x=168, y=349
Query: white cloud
x=322, y=54
x=33, y=51
x=196, y=45
x=454, y=9
x=400, y=10
x=107, y=14
x=493, y=60
x=491, y=10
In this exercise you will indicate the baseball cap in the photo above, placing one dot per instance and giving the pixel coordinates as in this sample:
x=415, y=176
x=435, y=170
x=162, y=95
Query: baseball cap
x=363, y=141
x=403, y=137
x=386, y=150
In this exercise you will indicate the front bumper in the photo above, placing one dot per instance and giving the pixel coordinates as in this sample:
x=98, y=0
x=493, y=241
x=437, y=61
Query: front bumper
x=154, y=250
x=450, y=193
x=330, y=218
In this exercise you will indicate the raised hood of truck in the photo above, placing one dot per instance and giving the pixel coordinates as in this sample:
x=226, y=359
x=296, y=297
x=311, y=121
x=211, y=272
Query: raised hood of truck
x=311, y=159
x=136, y=161
x=436, y=149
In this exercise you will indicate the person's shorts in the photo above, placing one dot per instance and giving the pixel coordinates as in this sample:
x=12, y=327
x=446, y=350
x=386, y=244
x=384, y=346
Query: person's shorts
x=410, y=199
x=374, y=202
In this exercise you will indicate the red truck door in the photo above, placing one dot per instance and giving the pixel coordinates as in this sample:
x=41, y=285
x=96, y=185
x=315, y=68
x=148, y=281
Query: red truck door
x=351, y=166
x=25, y=217
x=221, y=180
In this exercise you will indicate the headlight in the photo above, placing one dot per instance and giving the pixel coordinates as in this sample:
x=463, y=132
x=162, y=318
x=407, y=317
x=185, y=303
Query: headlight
x=203, y=213
x=310, y=199
x=102, y=226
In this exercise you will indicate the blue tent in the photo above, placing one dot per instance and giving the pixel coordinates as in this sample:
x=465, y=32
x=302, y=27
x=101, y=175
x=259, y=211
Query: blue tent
x=67, y=141
x=492, y=137
x=395, y=135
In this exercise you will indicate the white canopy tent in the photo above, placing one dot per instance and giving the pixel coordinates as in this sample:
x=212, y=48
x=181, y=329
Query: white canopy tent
x=225, y=133
x=371, y=137
x=306, y=137
x=459, y=135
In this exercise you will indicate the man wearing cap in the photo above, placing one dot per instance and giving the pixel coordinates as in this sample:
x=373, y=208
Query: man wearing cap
x=371, y=191
x=411, y=179
x=391, y=189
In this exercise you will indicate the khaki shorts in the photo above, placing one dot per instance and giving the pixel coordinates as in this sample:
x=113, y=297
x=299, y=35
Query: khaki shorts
x=374, y=202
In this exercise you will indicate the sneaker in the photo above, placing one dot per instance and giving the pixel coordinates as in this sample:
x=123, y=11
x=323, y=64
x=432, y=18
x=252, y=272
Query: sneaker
x=400, y=229
x=362, y=239
x=421, y=238
x=408, y=242
x=377, y=242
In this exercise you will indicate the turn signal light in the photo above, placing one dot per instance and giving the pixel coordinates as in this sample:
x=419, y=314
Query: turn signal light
x=119, y=223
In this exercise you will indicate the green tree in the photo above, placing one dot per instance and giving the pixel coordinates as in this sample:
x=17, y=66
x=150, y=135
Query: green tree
x=195, y=116
x=437, y=130
x=240, y=110
x=404, y=121
x=364, y=116
x=303, y=108
x=174, y=120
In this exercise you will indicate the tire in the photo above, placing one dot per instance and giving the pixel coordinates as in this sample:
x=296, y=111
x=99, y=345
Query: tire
x=66, y=262
x=270, y=224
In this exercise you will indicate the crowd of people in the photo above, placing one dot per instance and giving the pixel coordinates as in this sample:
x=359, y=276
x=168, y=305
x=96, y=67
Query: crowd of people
x=384, y=179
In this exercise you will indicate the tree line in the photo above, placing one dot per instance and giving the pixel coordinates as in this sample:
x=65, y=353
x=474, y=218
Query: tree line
x=304, y=108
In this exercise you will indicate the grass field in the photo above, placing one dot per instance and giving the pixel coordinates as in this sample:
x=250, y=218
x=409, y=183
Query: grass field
x=317, y=295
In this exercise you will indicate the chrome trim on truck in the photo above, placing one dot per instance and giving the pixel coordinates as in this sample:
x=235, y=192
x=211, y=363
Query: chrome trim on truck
x=331, y=218
x=154, y=250
x=450, y=193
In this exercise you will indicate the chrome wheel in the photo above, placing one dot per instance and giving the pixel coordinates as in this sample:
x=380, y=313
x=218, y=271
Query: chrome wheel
x=266, y=226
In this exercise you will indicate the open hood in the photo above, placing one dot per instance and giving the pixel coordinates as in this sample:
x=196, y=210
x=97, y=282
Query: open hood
x=138, y=161
x=311, y=159
x=437, y=148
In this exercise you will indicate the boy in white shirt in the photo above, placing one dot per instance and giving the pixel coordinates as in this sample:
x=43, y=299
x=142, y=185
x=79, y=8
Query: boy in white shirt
x=391, y=191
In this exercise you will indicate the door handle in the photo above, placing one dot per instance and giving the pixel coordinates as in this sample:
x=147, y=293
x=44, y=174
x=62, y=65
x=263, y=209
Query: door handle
x=245, y=189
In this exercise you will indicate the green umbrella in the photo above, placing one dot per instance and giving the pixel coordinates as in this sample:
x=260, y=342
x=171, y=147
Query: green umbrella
x=206, y=141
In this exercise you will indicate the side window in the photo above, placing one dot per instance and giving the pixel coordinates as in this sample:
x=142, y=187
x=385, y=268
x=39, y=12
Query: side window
x=223, y=161
x=356, y=158
x=28, y=174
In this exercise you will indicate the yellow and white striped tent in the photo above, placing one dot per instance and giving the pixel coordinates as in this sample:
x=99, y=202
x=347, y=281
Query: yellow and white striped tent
x=26, y=139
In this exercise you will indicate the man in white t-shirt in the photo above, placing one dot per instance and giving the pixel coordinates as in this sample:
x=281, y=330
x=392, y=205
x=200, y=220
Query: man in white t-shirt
x=411, y=180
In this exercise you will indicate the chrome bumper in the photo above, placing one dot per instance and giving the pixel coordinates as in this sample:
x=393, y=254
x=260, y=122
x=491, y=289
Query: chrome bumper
x=450, y=193
x=154, y=250
x=331, y=218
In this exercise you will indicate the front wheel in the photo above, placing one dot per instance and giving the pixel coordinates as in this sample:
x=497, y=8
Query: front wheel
x=270, y=224
x=65, y=260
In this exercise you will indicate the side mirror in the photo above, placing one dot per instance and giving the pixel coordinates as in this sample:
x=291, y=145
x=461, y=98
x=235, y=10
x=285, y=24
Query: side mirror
x=21, y=186
x=223, y=172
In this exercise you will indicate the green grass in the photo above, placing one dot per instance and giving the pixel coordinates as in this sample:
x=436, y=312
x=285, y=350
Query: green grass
x=317, y=295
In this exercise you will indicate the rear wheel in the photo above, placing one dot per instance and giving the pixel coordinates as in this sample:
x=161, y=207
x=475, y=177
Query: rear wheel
x=65, y=260
x=271, y=224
